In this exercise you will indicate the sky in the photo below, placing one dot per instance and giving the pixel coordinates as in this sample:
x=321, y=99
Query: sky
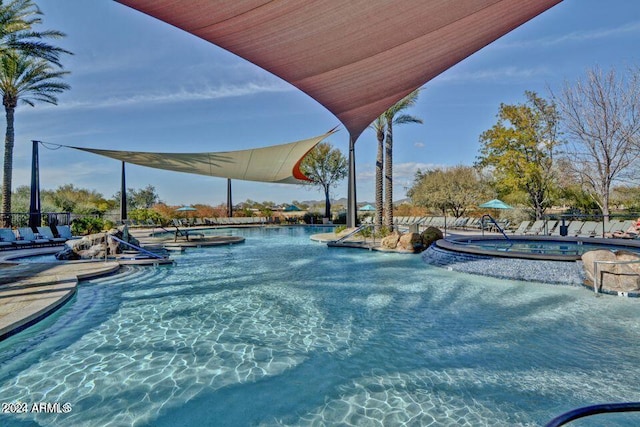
x=140, y=84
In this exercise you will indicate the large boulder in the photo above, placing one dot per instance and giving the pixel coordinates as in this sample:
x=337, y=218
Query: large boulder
x=430, y=235
x=410, y=242
x=616, y=277
x=390, y=241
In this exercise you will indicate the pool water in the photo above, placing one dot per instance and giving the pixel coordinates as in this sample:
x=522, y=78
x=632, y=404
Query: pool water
x=282, y=330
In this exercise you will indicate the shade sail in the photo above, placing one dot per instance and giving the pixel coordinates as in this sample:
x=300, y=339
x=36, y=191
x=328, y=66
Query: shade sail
x=276, y=163
x=356, y=57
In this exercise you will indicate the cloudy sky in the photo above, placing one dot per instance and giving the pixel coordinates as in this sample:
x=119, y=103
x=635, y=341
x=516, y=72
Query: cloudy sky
x=140, y=84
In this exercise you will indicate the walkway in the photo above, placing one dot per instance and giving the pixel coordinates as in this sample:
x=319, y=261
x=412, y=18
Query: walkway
x=31, y=291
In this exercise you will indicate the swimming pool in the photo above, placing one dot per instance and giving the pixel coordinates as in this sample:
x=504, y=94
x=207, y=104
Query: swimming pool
x=285, y=331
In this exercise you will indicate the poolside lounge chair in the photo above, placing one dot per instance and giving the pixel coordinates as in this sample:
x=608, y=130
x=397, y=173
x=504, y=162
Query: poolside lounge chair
x=573, y=229
x=522, y=227
x=536, y=228
x=7, y=240
x=64, y=231
x=46, y=233
x=7, y=235
x=550, y=227
x=27, y=234
x=589, y=229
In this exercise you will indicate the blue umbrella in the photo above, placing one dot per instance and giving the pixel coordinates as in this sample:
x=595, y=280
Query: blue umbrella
x=496, y=204
x=186, y=209
x=367, y=208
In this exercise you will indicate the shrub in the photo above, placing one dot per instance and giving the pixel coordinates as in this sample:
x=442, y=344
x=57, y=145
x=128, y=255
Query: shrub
x=87, y=225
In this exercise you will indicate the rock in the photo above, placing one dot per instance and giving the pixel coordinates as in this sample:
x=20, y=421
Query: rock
x=430, y=235
x=390, y=241
x=96, y=245
x=616, y=277
x=410, y=242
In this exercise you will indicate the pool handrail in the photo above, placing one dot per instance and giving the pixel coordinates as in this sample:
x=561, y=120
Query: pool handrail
x=495, y=223
x=599, y=275
x=138, y=248
x=357, y=230
x=587, y=411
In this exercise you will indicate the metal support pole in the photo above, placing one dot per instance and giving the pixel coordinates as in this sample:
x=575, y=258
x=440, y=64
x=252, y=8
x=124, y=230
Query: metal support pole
x=35, y=217
x=229, y=203
x=123, y=196
x=351, y=192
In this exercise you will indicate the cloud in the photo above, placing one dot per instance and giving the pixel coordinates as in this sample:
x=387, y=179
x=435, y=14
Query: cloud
x=402, y=172
x=169, y=97
x=574, y=37
x=419, y=144
x=496, y=74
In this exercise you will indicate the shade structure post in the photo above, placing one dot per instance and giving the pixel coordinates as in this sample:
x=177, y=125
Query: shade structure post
x=35, y=216
x=351, y=190
x=229, y=203
x=123, y=195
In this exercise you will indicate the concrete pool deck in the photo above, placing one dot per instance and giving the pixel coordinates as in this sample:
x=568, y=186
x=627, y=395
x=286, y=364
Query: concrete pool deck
x=29, y=292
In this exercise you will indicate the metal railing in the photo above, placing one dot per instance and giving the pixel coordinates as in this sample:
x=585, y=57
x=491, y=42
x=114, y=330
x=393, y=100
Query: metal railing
x=494, y=223
x=361, y=228
x=22, y=219
x=599, y=274
x=137, y=248
x=587, y=411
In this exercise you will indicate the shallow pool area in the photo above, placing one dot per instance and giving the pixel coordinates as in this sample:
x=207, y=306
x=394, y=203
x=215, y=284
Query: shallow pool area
x=285, y=331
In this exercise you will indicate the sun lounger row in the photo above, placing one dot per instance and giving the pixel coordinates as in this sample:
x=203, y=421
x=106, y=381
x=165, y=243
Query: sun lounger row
x=573, y=228
x=25, y=237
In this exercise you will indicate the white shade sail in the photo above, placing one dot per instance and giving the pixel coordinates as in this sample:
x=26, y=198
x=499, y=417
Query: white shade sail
x=276, y=163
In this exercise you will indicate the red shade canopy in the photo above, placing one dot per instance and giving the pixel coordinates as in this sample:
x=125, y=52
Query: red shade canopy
x=355, y=57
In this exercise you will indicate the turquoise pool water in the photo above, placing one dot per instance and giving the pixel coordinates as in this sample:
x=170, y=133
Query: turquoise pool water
x=281, y=330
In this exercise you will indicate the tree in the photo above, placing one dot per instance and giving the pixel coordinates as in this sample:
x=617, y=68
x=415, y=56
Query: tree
x=379, y=127
x=19, y=42
x=393, y=117
x=143, y=198
x=453, y=189
x=17, y=19
x=520, y=149
x=601, y=116
x=28, y=80
x=325, y=167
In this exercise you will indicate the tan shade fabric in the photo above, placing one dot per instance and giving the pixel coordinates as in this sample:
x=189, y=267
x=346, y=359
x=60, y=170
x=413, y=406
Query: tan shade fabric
x=355, y=57
x=277, y=163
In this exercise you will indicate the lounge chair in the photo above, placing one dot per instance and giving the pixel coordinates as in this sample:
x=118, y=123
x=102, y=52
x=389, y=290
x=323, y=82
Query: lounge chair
x=64, y=231
x=589, y=229
x=46, y=233
x=550, y=227
x=536, y=228
x=26, y=234
x=573, y=229
x=524, y=225
x=8, y=239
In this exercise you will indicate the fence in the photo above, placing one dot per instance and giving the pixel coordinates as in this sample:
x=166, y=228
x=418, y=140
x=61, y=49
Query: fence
x=21, y=219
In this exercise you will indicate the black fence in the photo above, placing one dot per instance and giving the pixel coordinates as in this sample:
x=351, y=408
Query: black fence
x=25, y=219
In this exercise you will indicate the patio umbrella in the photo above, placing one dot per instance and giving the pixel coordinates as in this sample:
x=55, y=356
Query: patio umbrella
x=292, y=208
x=496, y=204
x=367, y=208
x=186, y=209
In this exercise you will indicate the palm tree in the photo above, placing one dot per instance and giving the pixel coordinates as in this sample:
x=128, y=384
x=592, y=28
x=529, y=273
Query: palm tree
x=17, y=19
x=379, y=127
x=29, y=80
x=392, y=118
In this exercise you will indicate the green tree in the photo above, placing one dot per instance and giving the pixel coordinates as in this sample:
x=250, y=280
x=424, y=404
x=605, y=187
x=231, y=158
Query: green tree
x=601, y=116
x=454, y=189
x=21, y=44
x=325, y=167
x=143, y=198
x=393, y=117
x=520, y=150
x=28, y=80
x=17, y=19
